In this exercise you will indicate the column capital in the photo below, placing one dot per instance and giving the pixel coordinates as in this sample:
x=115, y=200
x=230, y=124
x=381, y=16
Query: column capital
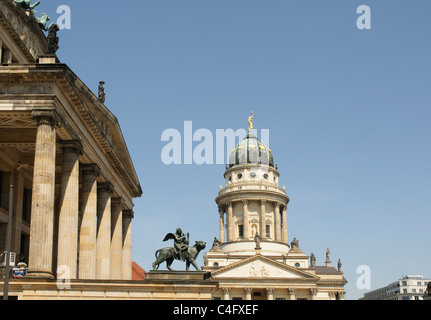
x=244, y=201
x=277, y=204
x=248, y=290
x=128, y=214
x=105, y=187
x=46, y=117
x=90, y=169
x=72, y=146
x=269, y=291
x=262, y=202
x=313, y=291
x=226, y=290
x=292, y=291
x=221, y=209
x=118, y=201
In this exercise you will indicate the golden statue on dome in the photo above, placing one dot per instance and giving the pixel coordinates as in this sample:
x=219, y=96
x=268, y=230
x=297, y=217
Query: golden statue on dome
x=250, y=121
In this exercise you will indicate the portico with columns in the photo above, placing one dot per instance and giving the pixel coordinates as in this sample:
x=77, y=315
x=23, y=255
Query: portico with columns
x=63, y=151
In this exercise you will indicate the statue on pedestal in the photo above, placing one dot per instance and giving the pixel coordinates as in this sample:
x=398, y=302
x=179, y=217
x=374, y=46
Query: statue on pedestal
x=180, y=251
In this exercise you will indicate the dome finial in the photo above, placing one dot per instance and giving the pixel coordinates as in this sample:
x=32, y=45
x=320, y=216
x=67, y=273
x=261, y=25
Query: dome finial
x=250, y=122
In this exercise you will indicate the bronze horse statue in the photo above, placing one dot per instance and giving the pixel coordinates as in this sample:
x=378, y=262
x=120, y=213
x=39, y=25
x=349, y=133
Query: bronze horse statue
x=169, y=255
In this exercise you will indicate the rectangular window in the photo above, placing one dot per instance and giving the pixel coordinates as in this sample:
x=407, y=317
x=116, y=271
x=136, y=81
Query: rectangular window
x=404, y=290
x=236, y=298
x=241, y=231
x=268, y=231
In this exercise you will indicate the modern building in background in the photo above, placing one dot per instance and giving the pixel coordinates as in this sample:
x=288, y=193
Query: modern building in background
x=408, y=288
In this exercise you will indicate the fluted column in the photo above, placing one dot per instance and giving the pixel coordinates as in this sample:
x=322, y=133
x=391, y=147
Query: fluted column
x=42, y=209
x=277, y=221
x=127, y=244
x=246, y=220
x=284, y=236
x=230, y=223
x=67, y=255
x=116, y=238
x=103, y=242
x=262, y=219
x=221, y=213
x=88, y=230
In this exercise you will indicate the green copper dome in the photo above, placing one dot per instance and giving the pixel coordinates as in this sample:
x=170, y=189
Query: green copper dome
x=251, y=150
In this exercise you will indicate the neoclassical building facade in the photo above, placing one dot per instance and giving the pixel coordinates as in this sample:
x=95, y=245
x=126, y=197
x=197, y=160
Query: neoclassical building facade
x=253, y=259
x=63, y=152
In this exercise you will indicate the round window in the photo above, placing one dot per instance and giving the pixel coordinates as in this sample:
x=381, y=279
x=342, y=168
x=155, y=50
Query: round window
x=239, y=176
x=253, y=175
x=265, y=176
x=297, y=265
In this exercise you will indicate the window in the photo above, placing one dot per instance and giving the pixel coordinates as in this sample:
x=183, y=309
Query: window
x=404, y=283
x=419, y=283
x=239, y=176
x=280, y=298
x=216, y=298
x=253, y=175
x=268, y=231
x=241, y=231
x=236, y=298
x=266, y=176
x=404, y=290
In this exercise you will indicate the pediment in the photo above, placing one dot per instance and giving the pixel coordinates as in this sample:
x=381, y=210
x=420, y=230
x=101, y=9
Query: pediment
x=260, y=267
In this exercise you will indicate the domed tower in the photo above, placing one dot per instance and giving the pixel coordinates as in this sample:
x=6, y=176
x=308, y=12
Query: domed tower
x=253, y=259
x=252, y=203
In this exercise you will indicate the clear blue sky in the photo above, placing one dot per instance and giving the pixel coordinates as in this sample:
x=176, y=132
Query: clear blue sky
x=348, y=113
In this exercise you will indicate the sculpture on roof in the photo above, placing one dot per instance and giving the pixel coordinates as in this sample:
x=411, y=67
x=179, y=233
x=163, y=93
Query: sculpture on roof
x=181, y=251
x=313, y=260
x=52, y=40
x=250, y=122
x=294, y=245
x=43, y=20
x=102, y=94
x=339, y=265
x=25, y=4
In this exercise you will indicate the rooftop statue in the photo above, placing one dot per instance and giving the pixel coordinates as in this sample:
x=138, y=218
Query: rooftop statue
x=25, y=4
x=250, y=122
x=42, y=21
x=52, y=40
x=181, y=251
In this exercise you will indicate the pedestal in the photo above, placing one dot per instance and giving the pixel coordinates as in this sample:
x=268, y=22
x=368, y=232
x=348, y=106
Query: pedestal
x=178, y=275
